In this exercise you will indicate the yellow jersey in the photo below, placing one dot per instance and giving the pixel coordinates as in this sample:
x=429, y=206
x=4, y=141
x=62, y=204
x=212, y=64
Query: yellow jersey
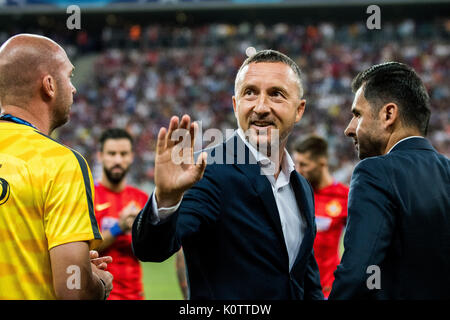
x=46, y=200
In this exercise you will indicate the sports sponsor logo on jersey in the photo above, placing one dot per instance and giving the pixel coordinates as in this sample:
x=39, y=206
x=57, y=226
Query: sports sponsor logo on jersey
x=4, y=191
x=333, y=208
x=102, y=206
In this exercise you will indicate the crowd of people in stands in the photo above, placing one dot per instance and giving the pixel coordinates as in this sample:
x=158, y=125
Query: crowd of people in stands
x=145, y=74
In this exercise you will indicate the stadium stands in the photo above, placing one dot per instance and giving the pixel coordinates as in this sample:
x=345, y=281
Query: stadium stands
x=142, y=76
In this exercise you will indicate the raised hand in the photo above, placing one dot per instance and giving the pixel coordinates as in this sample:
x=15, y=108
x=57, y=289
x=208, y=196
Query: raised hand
x=174, y=174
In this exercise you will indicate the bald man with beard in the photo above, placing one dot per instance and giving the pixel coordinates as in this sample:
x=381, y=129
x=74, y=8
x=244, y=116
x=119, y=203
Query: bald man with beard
x=47, y=223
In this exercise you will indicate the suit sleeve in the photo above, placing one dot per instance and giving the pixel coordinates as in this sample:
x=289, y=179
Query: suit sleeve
x=198, y=210
x=369, y=230
x=313, y=288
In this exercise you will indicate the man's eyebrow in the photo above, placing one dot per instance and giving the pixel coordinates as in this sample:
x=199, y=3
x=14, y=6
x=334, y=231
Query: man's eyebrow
x=277, y=88
x=274, y=88
x=247, y=86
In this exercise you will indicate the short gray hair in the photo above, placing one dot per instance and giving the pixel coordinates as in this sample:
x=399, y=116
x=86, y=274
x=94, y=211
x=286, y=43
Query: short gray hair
x=273, y=56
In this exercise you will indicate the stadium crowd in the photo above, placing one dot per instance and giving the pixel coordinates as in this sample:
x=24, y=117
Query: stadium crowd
x=145, y=74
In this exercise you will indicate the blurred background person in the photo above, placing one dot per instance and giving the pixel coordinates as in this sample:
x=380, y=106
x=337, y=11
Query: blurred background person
x=330, y=197
x=116, y=206
x=180, y=266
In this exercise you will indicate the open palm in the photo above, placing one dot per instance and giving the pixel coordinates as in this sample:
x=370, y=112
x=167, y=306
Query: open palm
x=176, y=171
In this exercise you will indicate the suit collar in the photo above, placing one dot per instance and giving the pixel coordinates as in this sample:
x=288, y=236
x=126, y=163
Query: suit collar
x=236, y=150
x=413, y=142
x=287, y=164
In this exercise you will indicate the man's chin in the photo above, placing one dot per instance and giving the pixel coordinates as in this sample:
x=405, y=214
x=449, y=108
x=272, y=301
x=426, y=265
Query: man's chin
x=59, y=123
x=65, y=120
x=115, y=180
x=363, y=155
x=115, y=177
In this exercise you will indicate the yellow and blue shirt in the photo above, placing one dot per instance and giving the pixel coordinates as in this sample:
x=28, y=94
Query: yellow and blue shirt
x=46, y=200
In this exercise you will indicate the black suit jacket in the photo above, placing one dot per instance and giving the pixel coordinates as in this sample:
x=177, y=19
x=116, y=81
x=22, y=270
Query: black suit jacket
x=398, y=220
x=230, y=230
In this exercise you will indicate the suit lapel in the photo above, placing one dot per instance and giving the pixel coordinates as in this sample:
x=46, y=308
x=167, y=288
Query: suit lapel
x=306, y=209
x=247, y=165
x=264, y=190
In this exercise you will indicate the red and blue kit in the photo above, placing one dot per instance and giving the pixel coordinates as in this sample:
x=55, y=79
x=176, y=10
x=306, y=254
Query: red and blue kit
x=331, y=217
x=126, y=269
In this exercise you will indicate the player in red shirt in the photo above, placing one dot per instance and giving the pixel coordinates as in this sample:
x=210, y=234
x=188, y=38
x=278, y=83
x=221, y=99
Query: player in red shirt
x=116, y=206
x=311, y=161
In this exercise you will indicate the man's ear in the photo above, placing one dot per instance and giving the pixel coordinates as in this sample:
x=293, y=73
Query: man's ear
x=234, y=103
x=389, y=114
x=49, y=86
x=300, y=110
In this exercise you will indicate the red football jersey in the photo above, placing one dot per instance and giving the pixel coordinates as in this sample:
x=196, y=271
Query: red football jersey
x=331, y=217
x=126, y=269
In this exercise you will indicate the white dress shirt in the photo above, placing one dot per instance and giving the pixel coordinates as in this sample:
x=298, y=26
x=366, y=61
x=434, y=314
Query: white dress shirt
x=292, y=222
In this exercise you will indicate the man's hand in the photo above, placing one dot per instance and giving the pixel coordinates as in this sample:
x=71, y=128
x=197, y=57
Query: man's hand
x=127, y=216
x=106, y=277
x=99, y=262
x=89, y=271
x=172, y=179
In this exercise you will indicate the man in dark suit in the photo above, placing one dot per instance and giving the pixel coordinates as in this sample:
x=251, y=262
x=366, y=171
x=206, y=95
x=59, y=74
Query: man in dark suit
x=246, y=233
x=397, y=243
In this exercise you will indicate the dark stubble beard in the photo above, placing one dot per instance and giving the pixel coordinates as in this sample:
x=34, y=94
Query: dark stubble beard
x=115, y=178
x=371, y=147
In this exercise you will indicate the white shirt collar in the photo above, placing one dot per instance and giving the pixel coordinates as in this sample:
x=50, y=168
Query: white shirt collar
x=287, y=164
x=403, y=140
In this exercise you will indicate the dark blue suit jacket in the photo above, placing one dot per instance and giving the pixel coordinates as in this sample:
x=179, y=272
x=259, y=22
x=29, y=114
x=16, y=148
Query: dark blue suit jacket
x=399, y=220
x=230, y=230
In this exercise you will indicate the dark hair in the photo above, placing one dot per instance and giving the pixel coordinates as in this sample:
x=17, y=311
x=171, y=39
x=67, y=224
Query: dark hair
x=274, y=56
x=114, y=133
x=318, y=146
x=399, y=83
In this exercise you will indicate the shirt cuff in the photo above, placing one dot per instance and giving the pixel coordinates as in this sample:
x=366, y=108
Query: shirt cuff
x=160, y=214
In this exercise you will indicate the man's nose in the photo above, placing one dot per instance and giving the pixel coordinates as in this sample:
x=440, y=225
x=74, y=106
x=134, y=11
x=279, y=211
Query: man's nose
x=262, y=106
x=350, y=130
x=118, y=158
